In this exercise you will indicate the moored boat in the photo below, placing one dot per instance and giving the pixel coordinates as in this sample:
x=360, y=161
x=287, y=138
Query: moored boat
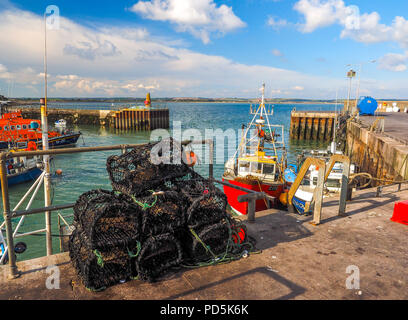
x=17, y=132
x=256, y=164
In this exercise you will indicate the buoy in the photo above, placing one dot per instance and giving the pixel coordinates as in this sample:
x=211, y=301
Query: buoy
x=283, y=198
x=58, y=172
x=190, y=158
x=31, y=146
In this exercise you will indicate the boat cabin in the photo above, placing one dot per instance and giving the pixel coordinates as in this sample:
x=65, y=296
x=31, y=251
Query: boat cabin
x=258, y=165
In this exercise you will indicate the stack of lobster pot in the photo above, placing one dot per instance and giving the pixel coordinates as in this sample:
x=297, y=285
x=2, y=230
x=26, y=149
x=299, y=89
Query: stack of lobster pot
x=160, y=216
x=106, y=238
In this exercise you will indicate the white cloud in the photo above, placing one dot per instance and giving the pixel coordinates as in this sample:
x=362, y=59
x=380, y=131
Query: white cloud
x=277, y=53
x=199, y=17
x=361, y=27
x=277, y=23
x=394, y=62
x=298, y=88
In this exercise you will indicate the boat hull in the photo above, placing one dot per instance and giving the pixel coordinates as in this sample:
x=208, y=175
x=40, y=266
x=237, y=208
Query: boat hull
x=57, y=142
x=241, y=208
x=28, y=175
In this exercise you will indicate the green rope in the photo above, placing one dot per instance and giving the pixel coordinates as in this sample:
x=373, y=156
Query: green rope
x=95, y=290
x=145, y=205
x=100, y=258
x=134, y=255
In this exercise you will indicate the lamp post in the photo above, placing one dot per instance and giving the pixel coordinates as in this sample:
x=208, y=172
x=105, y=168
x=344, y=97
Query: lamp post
x=350, y=74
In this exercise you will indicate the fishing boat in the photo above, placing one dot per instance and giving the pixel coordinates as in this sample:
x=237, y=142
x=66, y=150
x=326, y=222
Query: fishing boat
x=17, y=132
x=256, y=164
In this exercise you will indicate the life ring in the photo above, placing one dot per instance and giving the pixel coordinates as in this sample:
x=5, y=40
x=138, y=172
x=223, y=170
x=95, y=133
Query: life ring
x=31, y=146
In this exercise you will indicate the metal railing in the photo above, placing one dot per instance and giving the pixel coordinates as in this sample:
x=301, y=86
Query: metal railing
x=9, y=214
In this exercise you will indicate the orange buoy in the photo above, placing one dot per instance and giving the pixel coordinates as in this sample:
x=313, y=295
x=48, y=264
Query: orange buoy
x=58, y=172
x=190, y=158
x=31, y=146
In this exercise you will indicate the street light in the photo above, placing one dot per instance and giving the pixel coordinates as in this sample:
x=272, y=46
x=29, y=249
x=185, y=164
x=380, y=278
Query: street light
x=350, y=74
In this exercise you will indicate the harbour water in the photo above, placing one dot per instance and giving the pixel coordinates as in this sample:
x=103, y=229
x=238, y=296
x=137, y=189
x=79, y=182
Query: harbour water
x=86, y=171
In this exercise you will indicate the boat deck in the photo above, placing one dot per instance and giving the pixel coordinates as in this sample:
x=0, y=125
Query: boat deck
x=298, y=261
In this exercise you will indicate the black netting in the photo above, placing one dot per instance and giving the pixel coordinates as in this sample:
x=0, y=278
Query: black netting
x=146, y=167
x=108, y=218
x=103, y=267
x=207, y=241
x=165, y=212
x=158, y=255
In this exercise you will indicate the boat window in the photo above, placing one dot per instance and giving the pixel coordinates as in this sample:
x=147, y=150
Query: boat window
x=256, y=167
x=1, y=128
x=12, y=127
x=5, y=128
x=244, y=166
x=268, y=168
x=24, y=126
x=333, y=183
x=18, y=127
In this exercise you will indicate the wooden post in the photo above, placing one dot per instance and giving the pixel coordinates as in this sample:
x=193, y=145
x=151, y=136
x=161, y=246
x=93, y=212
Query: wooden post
x=302, y=128
x=294, y=132
x=322, y=129
x=318, y=195
x=344, y=188
x=315, y=128
x=309, y=127
x=329, y=129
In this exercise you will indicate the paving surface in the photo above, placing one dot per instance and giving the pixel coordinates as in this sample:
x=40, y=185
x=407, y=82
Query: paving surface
x=395, y=124
x=298, y=261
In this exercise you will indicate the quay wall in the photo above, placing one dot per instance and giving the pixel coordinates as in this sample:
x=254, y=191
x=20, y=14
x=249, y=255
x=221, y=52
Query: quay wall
x=381, y=156
x=145, y=119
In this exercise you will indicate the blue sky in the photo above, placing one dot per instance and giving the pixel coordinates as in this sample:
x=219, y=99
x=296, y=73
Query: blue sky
x=207, y=48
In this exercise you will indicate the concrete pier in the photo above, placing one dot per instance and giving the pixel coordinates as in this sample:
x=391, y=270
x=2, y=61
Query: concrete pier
x=298, y=261
x=125, y=119
x=383, y=155
x=312, y=125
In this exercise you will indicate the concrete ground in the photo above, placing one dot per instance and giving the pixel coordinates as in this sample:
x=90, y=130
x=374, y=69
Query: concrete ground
x=395, y=124
x=298, y=261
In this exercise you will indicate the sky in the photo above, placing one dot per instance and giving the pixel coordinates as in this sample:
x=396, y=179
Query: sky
x=204, y=48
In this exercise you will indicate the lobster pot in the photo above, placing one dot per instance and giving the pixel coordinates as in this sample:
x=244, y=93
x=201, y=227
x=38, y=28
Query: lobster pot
x=206, y=203
x=146, y=167
x=158, y=255
x=103, y=267
x=107, y=219
x=215, y=237
x=166, y=213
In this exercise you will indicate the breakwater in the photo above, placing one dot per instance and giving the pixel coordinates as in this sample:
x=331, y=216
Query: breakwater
x=138, y=119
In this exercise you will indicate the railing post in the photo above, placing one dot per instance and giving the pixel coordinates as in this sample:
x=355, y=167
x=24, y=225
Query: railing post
x=211, y=160
x=13, y=271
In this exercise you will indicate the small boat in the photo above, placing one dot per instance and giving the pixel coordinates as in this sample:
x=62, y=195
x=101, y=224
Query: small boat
x=17, y=132
x=303, y=198
x=256, y=164
x=61, y=124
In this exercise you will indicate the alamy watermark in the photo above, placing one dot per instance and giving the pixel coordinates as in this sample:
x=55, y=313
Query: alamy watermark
x=52, y=17
x=353, y=280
